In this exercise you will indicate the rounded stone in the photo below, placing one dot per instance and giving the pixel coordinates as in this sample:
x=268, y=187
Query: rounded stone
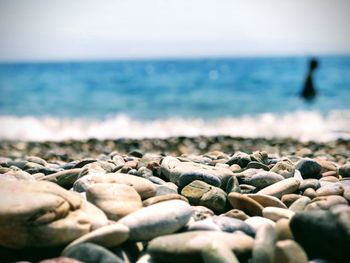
x=309, y=168
x=161, y=198
x=236, y=213
x=106, y=236
x=344, y=170
x=287, y=186
x=276, y=213
x=289, y=199
x=245, y=203
x=187, y=247
x=158, y=219
x=325, y=202
x=330, y=189
x=116, y=200
x=264, y=244
x=309, y=183
x=91, y=253
x=262, y=179
x=257, y=221
x=310, y=192
x=284, y=168
x=201, y=213
x=283, y=230
x=43, y=214
x=300, y=204
x=267, y=200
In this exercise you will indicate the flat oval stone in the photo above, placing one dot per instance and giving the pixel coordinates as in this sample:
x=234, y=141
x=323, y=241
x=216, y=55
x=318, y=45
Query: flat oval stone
x=245, y=203
x=15, y=175
x=267, y=200
x=257, y=165
x=91, y=253
x=116, y=200
x=309, y=168
x=189, y=245
x=236, y=213
x=161, y=198
x=325, y=202
x=106, y=236
x=143, y=187
x=158, y=219
x=276, y=213
x=311, y=193
x=287, y=186
x=64, y=178
x=300, y=204
x=43, y=214
x=330, y=189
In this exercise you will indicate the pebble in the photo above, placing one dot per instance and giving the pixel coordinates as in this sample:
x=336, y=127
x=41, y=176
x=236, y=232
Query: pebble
x=300, y=204
x=284, y=168
x=309, y=168
x=276, y=213
x=218, y=252
x=344, y=170
x=287, y=186
x=91, y=253
x=189, y=245
x=115, y=200
x=236, y=213
x=240, y=158
x=267, y=200
x=289, y=199
x=331, y=189
x=161, y=198
x=283, y=229
x=309, y=183
x=264, y=244
x=289, y=251
x=257, y=221
x=262, y=179
x=325, y=202
x=245, y=203
x=158, y=219
x=201, y=212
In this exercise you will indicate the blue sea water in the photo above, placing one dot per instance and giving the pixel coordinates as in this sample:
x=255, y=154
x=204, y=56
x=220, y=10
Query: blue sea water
x=150, y=91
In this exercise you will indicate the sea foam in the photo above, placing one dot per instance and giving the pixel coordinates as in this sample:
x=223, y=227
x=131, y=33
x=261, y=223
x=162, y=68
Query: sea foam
x=302, y=125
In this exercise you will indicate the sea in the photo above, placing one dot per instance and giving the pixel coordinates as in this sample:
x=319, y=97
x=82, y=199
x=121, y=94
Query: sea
x=160, y=98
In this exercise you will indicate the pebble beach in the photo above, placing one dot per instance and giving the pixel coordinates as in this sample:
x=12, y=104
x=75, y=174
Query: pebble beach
x=180, y=199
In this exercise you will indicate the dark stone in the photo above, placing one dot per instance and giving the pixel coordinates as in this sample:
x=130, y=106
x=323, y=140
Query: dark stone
x=309, y=168
x=257, y=165
x=189, y=177
x=136, y=153
x=240, y=158
x=91, y=253
x=324, y=234
x=344, y=170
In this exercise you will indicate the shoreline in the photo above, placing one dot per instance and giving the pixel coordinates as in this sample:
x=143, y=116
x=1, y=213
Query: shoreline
x=67, y=150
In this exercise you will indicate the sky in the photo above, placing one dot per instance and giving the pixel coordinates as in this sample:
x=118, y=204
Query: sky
x=117, y=29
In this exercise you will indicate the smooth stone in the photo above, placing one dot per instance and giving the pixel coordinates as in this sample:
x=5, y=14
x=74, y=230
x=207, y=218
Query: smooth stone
x=188, y=246
x=143, y=187
x=260, y=156
x=327, y=166
x=264, y=244
x=325, y=202
x=186, y=172
x=287, y=186
x=331, y=189
x=289, y=251
x=276, y=213
x=43, y=214
x=35, y=159
x=297, y=176
x=236, y=213
x=344, y=170
x=327, y=180
x=257, y=221
x=309, y=168
x=222, y=223
x=267, y=200
x=300, y=204
x=157, y=199
x=330, y=173
x=245, y=203
x=311, y=193
x=158, y=219
x=283, y=230
x=289, y=199
x=257, y=165
x=309, y=183
x=64, y=178
x=201, y=213
x=106, y=236
x=91, y=253
x=58, y=260
x=115, y=200
x=233, y=185
x=164, y=189
x=214, y=199
x=201, y=193
x=218, y=252
x=84, y=162
x=247, y=189
x=262, y=179
x=15, y=175
x=284, y=168
x=324, y=233
x=240, y=158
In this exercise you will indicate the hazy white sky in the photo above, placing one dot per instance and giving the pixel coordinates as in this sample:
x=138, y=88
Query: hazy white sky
x=82, y=29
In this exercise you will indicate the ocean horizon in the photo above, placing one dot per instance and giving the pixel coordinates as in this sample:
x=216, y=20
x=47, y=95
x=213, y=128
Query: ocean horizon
x=248, y=97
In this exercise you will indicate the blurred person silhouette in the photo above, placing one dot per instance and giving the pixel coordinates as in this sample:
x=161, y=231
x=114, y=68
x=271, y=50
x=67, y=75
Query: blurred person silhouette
x=309, y=91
